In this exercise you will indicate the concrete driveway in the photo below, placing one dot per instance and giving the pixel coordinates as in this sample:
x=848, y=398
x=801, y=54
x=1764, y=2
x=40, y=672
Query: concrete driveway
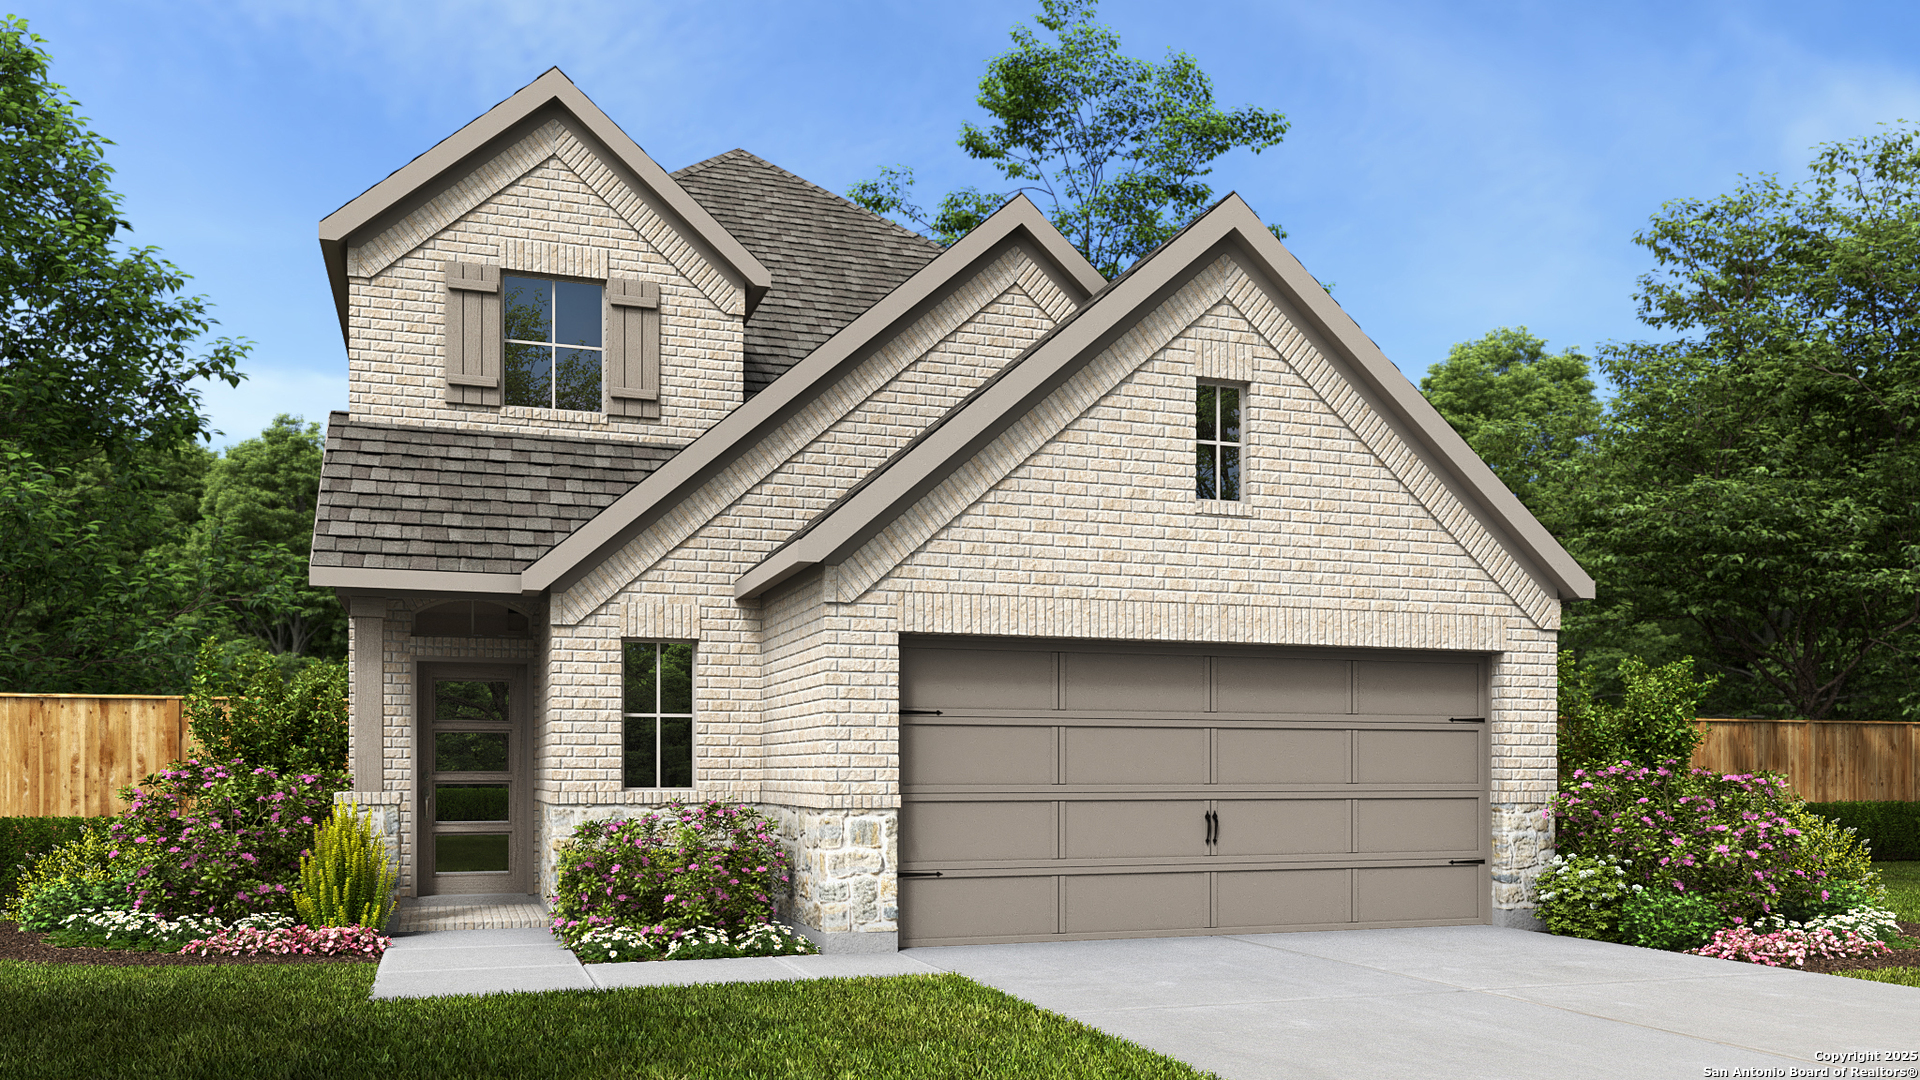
x=1462, y=1001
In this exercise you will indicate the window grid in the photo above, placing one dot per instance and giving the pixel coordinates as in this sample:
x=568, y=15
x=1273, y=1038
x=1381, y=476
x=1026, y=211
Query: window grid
x=1217, y=441
x=554, y=343
x=657, y=715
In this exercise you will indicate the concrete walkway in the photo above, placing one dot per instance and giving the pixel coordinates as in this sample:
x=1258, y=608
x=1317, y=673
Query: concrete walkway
x=1464, y=1001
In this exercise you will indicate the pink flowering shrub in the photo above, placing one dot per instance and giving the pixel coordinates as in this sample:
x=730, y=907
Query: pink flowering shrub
x=684, y=866
x=1728, y=838
x=293, y=941
x=219, y=838
x=1784, y=948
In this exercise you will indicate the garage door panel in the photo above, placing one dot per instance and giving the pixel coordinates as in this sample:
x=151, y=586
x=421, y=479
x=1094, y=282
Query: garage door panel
x=941, y=754
x=1283, y=898
x=949, y=679
x=954, y=832
x=1119, y=903
x=1284, y=827
x=1280, y=756
x=1404, y=688
x=1135, y=682
x=1142, y=829
x=1417, y=757
x=945, y=908
x=1136, y=755
x=1416, y=893
x=1382, y=825
x=1267, y=684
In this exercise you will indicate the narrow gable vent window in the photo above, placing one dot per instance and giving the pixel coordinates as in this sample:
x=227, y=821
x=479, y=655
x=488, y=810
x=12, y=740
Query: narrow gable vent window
x=658, y=714
x=1216, y=439
x=553, y=343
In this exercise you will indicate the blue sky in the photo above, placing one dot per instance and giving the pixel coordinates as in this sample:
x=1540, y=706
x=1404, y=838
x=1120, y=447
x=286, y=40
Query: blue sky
x=1451, y=168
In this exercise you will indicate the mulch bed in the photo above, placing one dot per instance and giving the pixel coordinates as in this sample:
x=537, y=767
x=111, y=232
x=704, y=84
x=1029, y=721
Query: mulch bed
x=1902, y=958
x=18, y=944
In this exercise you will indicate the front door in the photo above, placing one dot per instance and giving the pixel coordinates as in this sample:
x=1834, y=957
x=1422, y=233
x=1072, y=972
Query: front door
x=474, y=807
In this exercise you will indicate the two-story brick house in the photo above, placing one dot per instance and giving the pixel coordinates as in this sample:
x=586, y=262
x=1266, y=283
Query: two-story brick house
x=1032, y=605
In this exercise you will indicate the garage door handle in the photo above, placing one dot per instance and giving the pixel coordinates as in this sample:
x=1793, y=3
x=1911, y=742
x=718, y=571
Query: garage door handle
x=1213, y=827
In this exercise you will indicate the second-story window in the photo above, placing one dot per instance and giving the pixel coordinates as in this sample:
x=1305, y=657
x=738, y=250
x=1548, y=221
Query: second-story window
x=1216, y=438
x=553, y=348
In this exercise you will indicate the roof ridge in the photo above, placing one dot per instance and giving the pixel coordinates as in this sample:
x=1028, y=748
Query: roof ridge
x=715, y=159
x=841, y=199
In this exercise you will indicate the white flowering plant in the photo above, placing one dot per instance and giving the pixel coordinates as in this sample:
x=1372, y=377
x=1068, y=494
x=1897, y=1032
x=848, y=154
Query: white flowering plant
x=1868, y=921
x=1581, y=896
x=145, y=931
x=630, y=944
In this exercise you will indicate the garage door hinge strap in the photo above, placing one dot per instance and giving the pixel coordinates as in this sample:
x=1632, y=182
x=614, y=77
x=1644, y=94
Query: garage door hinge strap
x=1467, y=720
x=919, y=873
x=919, y=712
x=1466, y=862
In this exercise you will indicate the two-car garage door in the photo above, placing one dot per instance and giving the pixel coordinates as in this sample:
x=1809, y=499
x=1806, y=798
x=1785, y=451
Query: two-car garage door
x=1076, y=790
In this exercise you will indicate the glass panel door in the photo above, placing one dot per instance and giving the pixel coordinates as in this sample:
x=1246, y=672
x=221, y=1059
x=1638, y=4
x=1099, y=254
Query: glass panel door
x=472, y=787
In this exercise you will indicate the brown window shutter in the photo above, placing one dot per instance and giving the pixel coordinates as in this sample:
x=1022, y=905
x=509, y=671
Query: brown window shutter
x=633, y=348
x=473, y=334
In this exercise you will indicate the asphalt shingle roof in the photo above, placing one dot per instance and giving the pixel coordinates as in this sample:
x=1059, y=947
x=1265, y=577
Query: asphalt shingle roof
x=406, y=498
x=830, y=260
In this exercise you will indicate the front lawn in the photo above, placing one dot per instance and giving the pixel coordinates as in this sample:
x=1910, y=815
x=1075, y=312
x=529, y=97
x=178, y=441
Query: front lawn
x=315, y=1020
x=1903, y=888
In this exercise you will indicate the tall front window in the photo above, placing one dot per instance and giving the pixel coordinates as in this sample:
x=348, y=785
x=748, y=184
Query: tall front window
x=658, y=714
x=553, y=343
x=1216, y=438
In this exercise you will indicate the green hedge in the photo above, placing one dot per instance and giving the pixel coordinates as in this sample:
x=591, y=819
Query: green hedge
x=21, y=838
x=1891, y=829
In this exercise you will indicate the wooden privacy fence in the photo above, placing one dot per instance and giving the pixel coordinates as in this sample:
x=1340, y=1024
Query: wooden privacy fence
x=1824, y=760
x=64, y=755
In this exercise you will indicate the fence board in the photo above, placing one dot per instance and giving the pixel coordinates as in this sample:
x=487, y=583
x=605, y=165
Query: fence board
x=67, y=754
x=1824, y=761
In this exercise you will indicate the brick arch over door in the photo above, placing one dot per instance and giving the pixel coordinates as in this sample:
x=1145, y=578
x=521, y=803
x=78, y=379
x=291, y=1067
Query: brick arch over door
x=1061, y=790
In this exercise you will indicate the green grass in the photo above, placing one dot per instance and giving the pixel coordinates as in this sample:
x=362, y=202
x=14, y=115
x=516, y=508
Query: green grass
x=302, y=1020
x=1900, y=976
x=1903, y=888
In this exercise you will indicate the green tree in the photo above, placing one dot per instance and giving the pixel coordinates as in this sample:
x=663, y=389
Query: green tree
x=1760, y=484
x=1115, y=147
x=1652, y=722
x=243, y=705
x=99, y=361
x=1530, y=415
x=260, y=499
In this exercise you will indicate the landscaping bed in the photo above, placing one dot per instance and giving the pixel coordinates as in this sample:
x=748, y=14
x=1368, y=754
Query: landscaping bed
x=18, y=944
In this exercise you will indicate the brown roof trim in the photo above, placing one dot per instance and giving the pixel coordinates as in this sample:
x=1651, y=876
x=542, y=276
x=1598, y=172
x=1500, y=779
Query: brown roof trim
x=453, y=152
x=1018, y=222
x=1231, y=225
x=380, y=579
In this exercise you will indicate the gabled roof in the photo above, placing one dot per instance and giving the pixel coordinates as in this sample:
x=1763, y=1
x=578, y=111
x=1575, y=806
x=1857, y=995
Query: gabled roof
x=459, y=153
x=830, y=260
x=1018, y=222
x=439, y=508
x=966, y=429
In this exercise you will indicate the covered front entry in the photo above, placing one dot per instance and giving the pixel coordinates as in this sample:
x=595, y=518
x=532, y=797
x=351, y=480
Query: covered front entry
x=1056, y=790
x=474, y=807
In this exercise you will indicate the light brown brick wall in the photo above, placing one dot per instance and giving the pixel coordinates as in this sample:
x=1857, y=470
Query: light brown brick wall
x=546, y=205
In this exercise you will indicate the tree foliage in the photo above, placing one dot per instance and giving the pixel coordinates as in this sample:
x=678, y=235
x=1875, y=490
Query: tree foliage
x=1114, y=147
x=100, y=357
x=259, y=502
x=245, y=707
x=1530, y=415
x=1761, y=476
